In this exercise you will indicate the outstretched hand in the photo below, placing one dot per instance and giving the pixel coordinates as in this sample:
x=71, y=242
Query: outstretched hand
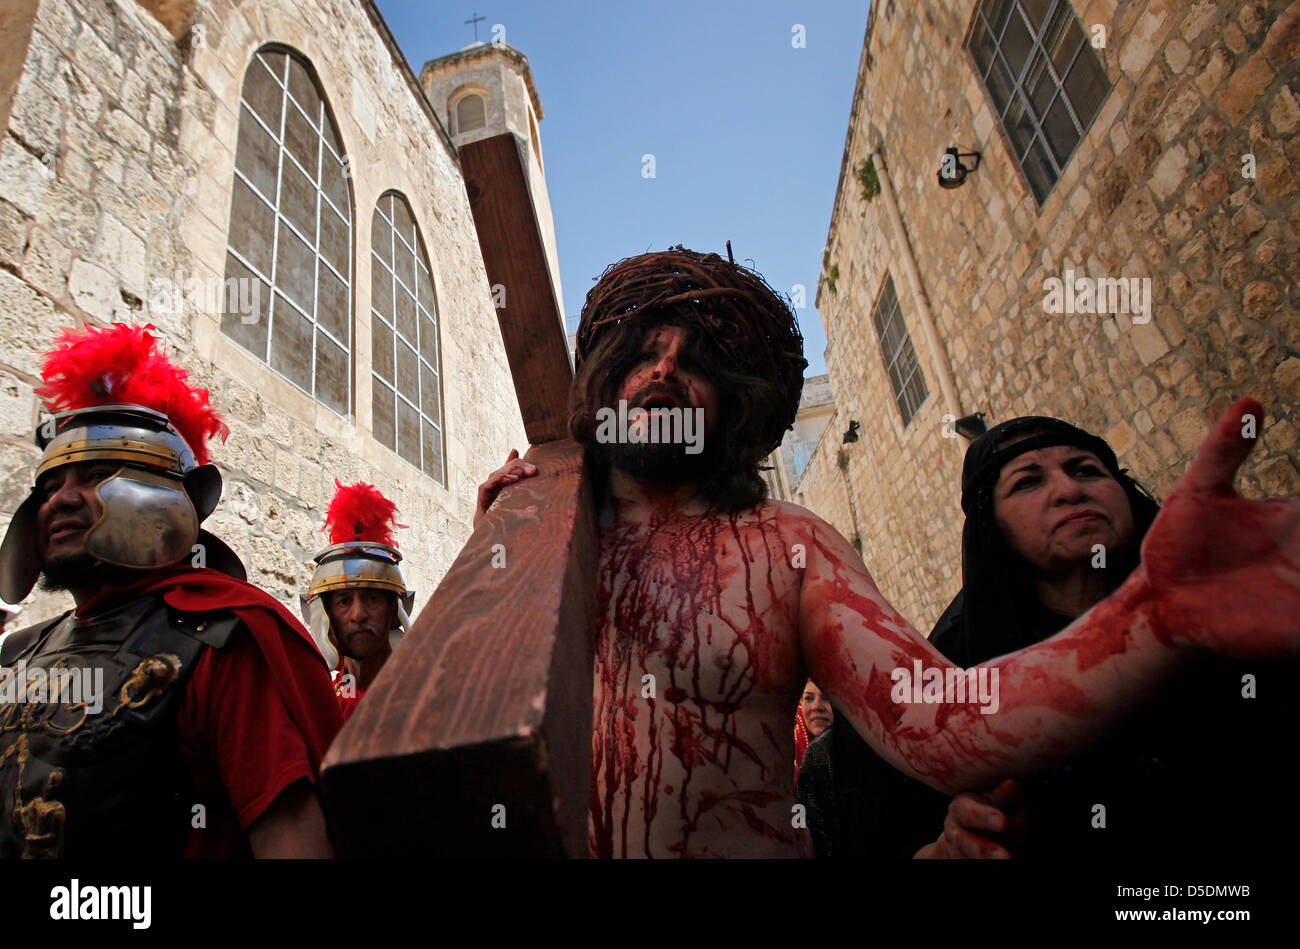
x=514, y=469
x=1224, y=571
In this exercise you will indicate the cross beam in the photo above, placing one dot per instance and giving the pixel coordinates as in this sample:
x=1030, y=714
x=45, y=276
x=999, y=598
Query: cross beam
x=487, y=703
x=514, y=256
x=475, y=738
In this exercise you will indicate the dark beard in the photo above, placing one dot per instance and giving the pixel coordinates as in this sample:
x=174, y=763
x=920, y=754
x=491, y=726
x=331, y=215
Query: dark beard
x=69, y=571
x=665, y=462
x=660, y=463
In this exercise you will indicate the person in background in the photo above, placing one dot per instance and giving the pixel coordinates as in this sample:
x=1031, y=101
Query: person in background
x=358, y=606
x=814, y=780
x=813, y=717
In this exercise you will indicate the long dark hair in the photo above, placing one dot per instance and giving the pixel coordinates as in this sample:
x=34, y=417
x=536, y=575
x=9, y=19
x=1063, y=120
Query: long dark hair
x=743, y=337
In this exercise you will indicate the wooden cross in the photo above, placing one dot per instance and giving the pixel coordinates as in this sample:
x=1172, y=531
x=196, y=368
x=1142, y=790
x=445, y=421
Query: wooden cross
x=475, y=738
x=476, y=20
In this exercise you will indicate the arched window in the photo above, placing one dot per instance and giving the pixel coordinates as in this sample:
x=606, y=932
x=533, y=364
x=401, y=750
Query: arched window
x=289, y=245
x=471, y=113
x=407, y=390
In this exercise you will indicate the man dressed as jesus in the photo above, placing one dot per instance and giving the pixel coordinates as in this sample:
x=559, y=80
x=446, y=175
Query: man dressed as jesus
x=716, y=605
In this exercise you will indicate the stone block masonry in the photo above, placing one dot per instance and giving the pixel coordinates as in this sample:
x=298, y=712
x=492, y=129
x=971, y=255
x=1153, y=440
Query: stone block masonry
x=1203, y=95
x=116, y=169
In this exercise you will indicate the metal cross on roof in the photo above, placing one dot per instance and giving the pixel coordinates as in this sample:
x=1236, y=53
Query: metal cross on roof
x=476, y=20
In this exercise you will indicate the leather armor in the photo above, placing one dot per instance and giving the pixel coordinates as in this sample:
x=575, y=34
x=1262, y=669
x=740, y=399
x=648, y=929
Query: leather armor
x=77, y=783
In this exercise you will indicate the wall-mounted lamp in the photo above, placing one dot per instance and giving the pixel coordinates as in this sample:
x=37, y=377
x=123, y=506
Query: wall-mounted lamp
x=952, y=173
x=970, y=427
x=851, y=435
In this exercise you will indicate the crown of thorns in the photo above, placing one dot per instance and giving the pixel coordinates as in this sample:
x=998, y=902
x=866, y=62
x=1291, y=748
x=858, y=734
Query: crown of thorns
x=735, y=306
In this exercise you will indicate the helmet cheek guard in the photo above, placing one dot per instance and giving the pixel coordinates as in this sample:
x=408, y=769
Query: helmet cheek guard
x=318, y=624
x=203, y=486
x=404, y=604
x=148, y=521
x=19, y=566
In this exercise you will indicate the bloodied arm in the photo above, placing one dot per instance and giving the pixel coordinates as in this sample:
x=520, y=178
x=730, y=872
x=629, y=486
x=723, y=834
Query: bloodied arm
x=1218, y=573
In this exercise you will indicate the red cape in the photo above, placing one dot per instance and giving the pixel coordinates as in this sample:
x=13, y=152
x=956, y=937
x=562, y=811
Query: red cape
x=296, y=665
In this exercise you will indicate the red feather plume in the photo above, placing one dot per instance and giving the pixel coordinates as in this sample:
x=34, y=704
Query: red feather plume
x=360, y=512
x=124, y=364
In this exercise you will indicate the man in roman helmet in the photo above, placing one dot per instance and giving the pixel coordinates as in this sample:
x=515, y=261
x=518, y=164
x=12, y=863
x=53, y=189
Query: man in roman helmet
x=358, y=606
x=178, y=710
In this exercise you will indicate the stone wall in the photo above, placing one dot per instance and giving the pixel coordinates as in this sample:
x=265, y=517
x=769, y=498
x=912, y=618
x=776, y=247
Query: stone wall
x=816, y=408
x=116, y=170
x=1155, y=189
x=824, y=487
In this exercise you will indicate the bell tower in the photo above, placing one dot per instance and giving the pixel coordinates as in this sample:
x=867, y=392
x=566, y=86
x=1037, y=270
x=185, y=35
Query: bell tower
x=485, y=90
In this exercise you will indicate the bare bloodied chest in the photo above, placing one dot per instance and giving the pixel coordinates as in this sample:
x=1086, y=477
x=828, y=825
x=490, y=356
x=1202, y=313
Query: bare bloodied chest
x=697, y=672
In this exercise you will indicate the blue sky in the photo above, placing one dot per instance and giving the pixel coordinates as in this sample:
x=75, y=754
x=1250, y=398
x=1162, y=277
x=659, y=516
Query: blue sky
x=746, y=130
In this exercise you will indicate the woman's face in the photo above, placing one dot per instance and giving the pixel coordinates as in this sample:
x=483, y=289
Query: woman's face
x=817, y=712
x=1055, y=504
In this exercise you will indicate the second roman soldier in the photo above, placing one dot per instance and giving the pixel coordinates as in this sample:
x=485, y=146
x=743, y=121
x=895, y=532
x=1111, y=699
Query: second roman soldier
x=358, y=605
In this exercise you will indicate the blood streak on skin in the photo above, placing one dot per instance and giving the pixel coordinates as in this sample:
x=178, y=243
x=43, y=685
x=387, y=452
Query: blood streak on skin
x=660, y=598
x=941, y=747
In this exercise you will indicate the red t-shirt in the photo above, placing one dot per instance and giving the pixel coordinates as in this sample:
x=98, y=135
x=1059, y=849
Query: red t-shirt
x=256, y=716
x=348, y=703
x=242, y=745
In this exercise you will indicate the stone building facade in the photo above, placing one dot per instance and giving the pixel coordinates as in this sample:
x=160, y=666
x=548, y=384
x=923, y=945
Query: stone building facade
x=132, y=183
x=1176, y=162
x=787, y=463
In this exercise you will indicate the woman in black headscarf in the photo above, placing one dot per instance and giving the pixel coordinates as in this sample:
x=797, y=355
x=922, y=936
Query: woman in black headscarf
x=1053, y=525
x=1012, y=598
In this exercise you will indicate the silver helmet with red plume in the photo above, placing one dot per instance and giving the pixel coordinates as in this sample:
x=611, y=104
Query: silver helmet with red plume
x=362, y=553
x=117, y=398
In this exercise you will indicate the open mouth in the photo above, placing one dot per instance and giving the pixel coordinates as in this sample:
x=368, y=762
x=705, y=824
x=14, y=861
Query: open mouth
x=660, y=400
